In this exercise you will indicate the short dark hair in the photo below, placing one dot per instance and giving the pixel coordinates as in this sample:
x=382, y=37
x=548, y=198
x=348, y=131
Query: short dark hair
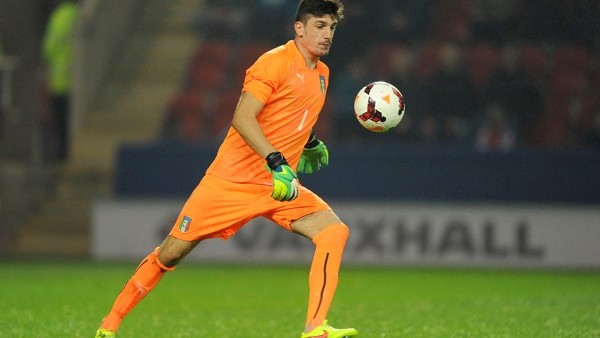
x=319, y=8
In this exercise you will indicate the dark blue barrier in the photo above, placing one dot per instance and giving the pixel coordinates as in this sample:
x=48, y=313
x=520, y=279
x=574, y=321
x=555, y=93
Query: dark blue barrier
x=385, y=171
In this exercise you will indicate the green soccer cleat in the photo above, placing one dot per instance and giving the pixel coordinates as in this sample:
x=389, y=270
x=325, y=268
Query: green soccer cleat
x=102, y=333
x=326, y=331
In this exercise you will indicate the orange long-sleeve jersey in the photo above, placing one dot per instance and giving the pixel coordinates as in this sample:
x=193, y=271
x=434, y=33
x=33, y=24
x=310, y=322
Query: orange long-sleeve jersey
x=293, y=96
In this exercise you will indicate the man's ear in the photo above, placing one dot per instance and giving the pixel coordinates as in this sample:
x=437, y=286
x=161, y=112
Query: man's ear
x=299, y=28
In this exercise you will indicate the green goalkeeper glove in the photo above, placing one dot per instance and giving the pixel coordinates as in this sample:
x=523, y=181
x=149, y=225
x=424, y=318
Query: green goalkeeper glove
x=285, y=180
x=314, y=156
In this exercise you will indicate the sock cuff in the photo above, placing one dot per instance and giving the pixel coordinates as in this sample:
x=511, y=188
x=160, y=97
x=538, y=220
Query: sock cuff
x=337, y=231
x=161, y=265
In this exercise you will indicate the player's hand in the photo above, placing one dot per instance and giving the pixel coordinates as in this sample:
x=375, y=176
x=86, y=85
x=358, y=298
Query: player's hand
x=285, y=183
x=313, y=158
x=285, y=180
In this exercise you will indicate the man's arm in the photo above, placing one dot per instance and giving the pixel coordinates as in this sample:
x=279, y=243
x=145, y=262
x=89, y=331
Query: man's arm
x=245, y=123
x=285, y=180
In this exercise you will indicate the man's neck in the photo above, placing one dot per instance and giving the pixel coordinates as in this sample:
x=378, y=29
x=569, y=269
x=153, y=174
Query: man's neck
x=310, y=60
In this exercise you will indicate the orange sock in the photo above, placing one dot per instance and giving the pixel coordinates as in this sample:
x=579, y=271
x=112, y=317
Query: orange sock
x=145, y=278
x=323, y=277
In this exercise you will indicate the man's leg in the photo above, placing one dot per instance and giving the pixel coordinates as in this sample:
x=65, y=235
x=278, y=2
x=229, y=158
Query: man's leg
x=329, y=234
x=145, y=278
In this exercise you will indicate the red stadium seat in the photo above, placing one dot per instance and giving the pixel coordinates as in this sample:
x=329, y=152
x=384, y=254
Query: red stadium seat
x=534, y=61
x=225, y=104
x=381, y=58
x=566, y=82
x=245, y=56
x=207, y=75
x=428, y=61
x=482, y=60
x=568, y=58
x=216, y=53
x=186, y=110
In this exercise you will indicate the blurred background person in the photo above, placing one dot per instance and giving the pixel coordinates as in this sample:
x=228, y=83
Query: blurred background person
x=57, y=53
x=495, y=132
x=513, y=89
x=452, y=95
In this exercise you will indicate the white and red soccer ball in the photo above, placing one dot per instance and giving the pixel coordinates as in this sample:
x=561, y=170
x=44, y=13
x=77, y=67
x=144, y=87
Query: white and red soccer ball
x=379, y=106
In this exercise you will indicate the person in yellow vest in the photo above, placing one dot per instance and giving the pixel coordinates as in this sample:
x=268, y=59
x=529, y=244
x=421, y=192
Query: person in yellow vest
x=57, y=54
x=1, y=103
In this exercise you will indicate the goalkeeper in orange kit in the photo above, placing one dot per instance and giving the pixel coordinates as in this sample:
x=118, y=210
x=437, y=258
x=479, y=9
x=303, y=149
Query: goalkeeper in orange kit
x=254, y=172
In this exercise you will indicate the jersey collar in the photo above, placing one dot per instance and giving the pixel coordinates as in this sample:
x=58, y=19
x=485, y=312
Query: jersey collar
x=291, y=46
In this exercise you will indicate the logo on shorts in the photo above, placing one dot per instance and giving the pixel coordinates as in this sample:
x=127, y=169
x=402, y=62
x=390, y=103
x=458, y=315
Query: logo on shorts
x=185, y=224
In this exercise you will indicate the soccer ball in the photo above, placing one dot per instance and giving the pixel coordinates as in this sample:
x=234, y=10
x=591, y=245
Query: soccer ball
x=379, y=106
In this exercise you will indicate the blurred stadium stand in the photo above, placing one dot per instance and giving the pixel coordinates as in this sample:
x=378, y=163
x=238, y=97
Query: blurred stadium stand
x=561, y=72
x=157, y=73
x=130, y=57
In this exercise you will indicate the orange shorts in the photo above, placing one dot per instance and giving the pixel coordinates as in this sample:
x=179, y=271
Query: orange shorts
x=219, y=208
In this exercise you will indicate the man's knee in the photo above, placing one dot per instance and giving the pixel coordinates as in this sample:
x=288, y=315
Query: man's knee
x=173, y=250
x=337, y=232
x=313, y=224
x=169, y=258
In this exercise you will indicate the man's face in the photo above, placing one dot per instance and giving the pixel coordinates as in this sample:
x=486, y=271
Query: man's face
x=317, y=34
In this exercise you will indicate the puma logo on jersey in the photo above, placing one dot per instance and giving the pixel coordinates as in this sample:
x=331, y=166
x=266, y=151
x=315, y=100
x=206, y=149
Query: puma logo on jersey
x=300, y=76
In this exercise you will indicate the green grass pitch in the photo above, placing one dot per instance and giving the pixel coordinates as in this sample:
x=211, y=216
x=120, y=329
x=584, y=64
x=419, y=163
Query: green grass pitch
x=68, y=299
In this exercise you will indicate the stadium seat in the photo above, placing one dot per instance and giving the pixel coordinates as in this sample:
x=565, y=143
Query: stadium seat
x=451, y=20
x=482, y=60
x=207, y=75
x=534, y=60
x=214, y=52
x=566, y=82
x=225, y=104
x=428, y=61
x=246, y=56
x=185, y=112
x=571, y=58
x=551, y=131
x=381, y=58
